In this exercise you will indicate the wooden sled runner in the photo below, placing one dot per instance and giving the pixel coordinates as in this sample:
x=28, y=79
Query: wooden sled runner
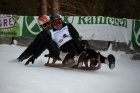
x=73, y=65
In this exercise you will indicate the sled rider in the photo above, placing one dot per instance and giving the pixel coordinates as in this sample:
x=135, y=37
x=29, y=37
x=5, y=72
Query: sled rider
x=40, y=43
x=61, y=31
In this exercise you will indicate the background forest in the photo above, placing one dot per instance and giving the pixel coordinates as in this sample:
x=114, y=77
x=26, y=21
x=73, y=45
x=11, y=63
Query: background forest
x=113, y=8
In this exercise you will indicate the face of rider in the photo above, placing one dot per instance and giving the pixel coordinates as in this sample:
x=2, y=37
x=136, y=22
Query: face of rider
x=46, y=26
x=57, y=24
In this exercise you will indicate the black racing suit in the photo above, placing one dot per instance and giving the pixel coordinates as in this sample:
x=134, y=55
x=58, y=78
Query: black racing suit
x=91, y=52
x=69, y=45
x=75, y=46
x=39, y=44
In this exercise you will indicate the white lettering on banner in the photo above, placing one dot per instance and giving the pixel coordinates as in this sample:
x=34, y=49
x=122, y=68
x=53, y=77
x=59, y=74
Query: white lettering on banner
x=6, y=21
x=137, y=36
x=137, y=32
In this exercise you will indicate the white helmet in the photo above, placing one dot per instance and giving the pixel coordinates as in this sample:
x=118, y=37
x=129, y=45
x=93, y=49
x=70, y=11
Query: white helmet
x=43, y=19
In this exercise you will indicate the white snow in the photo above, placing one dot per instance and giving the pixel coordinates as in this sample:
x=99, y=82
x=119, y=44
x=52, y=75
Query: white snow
x=15, y=77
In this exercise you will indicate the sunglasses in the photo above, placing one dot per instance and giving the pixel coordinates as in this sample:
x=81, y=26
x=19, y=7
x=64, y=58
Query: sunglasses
x=45, y=25
x=58, y=21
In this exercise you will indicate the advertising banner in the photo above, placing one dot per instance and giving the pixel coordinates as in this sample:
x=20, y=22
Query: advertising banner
x=89, y=27
x=99, y=27
x=30, y=27
x=135, y=39
x=9, y=26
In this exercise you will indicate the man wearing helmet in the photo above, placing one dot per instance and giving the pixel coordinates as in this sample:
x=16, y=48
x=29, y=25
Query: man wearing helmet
x=40, y=43
x=68, y=40
x=66, y=36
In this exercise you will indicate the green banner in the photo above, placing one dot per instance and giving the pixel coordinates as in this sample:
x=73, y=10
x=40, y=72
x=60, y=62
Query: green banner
x=9, y=27
x=135, y=39
x=30, y=26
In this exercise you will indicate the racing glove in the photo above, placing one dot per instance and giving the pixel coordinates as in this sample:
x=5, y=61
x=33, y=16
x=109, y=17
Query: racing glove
x=31, y=59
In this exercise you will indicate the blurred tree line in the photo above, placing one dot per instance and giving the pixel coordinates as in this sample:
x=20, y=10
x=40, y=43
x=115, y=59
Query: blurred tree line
x=113, y=8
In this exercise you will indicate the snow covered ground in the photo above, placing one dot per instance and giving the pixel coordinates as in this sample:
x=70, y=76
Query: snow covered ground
x=36, y=78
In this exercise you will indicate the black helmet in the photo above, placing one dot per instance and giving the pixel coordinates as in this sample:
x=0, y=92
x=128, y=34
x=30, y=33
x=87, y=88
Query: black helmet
x=55, y=17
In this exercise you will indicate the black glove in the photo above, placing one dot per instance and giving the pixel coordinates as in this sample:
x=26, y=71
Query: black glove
x=78, y=41
x=31, y=59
